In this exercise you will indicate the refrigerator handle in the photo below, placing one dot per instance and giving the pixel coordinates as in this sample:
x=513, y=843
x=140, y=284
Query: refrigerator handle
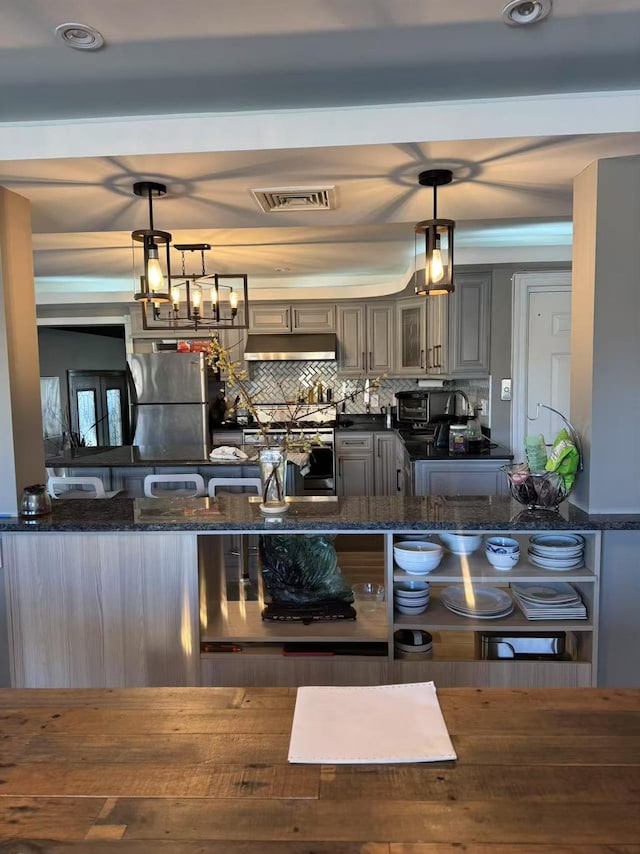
x=133, y=404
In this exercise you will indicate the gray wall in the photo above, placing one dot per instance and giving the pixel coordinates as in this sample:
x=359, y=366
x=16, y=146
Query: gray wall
x=61, y=350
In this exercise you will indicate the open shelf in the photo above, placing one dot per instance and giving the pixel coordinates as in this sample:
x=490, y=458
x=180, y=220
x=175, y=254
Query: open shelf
x=241, y=622
x=456, y=568
x=440, y=618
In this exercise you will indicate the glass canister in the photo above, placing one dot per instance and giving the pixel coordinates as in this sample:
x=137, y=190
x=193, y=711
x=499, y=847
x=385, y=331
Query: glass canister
x=458, y=439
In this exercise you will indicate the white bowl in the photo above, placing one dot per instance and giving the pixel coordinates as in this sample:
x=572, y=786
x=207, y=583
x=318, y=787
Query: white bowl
x=411, y=589
x=411, y=610
x=461, y=544
x=502, y=561
x=422, y=600
x=502, y=545
x=417, y=557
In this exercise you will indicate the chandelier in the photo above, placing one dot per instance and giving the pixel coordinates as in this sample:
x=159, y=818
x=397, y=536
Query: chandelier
x=190, y=299
x=438, y=241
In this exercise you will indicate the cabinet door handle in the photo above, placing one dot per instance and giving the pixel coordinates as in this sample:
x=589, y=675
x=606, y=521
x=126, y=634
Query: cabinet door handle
x=370, y=361
x=436, y=356
x=339, y=468
x=429, y=365
x=398, y=471
x=422, y=358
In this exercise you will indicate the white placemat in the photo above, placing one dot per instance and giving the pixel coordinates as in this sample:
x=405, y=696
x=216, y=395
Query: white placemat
x=379, y=723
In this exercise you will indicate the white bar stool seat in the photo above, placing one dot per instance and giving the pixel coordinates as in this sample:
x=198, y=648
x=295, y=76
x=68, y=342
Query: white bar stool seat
x=197, y=489
x=87, y=487
x=245, y=482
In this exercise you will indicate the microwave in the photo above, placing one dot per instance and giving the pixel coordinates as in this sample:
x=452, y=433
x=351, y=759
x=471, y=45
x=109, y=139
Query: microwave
x=420, y=407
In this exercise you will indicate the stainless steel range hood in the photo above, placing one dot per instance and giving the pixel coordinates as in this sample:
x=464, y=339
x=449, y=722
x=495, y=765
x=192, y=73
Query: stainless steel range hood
x=296, y=347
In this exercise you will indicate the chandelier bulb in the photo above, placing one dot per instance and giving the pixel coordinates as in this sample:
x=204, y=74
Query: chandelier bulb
x=233, y=300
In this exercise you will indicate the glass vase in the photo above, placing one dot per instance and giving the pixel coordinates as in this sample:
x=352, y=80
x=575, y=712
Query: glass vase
x=273, y=474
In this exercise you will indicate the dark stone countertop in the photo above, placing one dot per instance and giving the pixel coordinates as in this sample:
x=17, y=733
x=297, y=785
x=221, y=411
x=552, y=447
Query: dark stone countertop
x=422, y=451
x=128, y=455
x=241, y=513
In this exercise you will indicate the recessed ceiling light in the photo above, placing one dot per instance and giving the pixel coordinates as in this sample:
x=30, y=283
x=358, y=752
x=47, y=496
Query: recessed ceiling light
x=520, y=12
x=282, y=269
x=79, y=36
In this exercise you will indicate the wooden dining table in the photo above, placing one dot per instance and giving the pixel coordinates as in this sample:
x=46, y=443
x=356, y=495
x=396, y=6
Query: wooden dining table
x=195, y=770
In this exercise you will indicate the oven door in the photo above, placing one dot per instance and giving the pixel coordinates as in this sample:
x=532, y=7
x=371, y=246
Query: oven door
x=320, y=479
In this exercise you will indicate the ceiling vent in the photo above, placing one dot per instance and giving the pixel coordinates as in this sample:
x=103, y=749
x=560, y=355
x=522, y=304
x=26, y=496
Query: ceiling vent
x=296, y=199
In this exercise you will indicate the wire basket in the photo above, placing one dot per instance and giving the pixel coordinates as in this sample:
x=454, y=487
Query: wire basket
x=536, y=490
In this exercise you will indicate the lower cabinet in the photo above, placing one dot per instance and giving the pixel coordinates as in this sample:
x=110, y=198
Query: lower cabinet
x=102, y=610
x=354, y=463
x=368, y=463
x=459, y=477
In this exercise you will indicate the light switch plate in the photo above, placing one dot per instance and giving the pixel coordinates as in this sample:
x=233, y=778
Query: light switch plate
x=505, y=389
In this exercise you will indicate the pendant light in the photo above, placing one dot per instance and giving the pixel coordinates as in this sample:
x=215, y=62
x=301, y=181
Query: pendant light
x=155, y=283
x=438, y=241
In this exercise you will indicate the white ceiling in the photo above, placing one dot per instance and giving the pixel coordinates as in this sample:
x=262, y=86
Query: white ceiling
x=271, y=94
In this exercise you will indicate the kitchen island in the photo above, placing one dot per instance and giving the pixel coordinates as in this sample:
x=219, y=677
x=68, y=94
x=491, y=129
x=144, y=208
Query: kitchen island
x=135, y=592
x=185, y=770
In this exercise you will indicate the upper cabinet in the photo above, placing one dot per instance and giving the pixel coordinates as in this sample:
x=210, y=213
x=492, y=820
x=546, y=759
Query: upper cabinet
x=365, y=339
x=411, y=337
x=280, y=317
x=438, y=336
x=446, y=336
x=470, y=325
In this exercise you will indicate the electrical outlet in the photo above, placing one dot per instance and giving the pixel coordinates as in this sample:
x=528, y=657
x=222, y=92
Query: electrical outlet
x=484, y=404
x=505, y=389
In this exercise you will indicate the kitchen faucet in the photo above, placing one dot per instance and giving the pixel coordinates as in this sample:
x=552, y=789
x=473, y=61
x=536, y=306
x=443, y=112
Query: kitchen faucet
x=452, y=397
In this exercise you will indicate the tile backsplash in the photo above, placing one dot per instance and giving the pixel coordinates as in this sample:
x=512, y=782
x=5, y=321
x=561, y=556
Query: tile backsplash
x=275, y=382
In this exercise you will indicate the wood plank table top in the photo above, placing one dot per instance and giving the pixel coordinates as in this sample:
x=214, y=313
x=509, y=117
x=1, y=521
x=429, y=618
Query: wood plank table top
x=205, y=771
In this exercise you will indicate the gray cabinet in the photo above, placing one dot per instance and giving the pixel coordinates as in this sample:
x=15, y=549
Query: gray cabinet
x=385, y=480
x=284, y=317
x=354, y=463
x=365, y=339
x=371, y=463
x=469, y=325
x=411, y=337
x=130, y=479
x=404, y=474
x=459, y=477
x=438, y=357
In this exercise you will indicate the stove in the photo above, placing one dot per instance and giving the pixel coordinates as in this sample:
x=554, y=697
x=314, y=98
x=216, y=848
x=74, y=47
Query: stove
x=311, y=423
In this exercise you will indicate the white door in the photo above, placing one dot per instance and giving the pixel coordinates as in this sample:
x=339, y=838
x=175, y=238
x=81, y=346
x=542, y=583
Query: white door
x=542, y=355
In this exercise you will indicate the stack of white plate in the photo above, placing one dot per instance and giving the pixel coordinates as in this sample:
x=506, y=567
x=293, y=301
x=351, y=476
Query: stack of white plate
x=481, y=603
x=556, y=551
x=547, y=601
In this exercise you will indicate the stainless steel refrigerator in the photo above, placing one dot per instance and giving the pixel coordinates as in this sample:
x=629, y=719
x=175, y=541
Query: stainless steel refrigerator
x=168, y=399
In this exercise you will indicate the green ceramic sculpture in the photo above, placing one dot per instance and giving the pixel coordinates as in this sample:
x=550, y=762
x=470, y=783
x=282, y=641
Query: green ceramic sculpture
x=298, y=569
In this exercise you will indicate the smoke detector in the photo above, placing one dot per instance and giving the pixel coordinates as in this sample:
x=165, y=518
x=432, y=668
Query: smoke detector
x=518, y=13
x=295, y=199
x=80, y=36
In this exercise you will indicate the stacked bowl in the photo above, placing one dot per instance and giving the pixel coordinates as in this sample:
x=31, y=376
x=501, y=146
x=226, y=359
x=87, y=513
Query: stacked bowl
x=417, y=557
x=411, y=597
x=413, y=644
x=502, y=552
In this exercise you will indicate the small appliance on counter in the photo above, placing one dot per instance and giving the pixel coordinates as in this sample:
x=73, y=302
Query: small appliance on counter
x=421, y=409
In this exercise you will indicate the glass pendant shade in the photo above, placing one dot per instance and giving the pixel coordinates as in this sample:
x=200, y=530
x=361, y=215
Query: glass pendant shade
x=437, y=253
x=435, y=256
x=156, y=272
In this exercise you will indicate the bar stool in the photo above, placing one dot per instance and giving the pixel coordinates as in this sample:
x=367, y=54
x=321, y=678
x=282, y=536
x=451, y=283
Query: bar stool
x=87, y=487
x=197, y=489
x=248, y=483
